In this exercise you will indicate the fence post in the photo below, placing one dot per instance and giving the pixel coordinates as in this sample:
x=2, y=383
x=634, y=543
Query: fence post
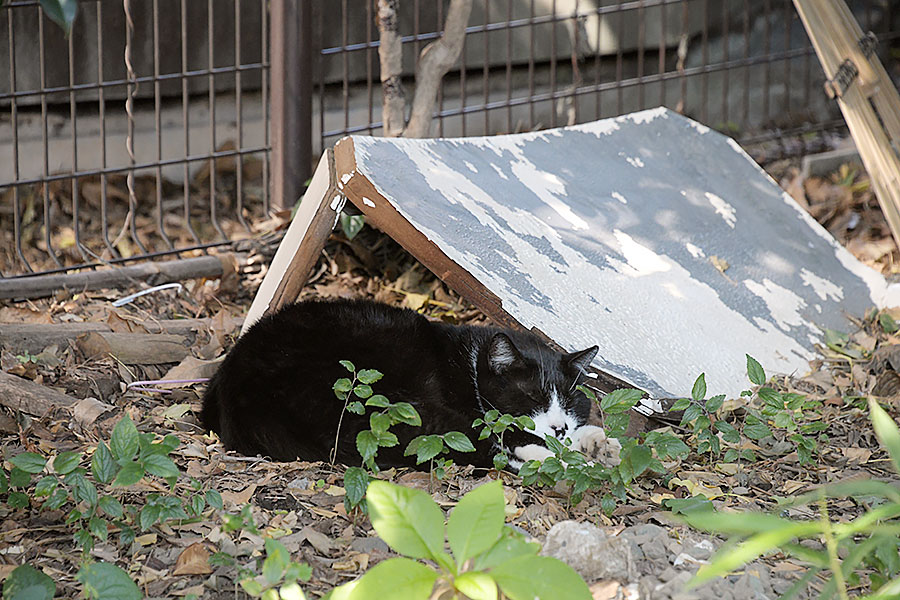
x=291, y=99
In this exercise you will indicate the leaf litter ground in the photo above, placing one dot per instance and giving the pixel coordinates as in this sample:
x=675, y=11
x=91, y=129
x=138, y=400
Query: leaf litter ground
x=302, y=503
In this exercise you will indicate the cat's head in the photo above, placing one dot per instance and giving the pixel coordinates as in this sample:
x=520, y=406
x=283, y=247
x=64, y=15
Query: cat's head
x=527, y=377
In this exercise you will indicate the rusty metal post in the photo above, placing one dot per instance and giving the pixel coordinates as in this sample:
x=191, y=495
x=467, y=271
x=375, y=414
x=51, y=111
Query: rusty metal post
x=291, y=99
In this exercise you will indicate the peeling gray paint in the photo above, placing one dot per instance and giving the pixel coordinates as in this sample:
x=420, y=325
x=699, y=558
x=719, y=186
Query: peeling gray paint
x=604, y=234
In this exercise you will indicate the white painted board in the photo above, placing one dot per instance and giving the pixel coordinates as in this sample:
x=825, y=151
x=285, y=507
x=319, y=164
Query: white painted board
x=605, y=233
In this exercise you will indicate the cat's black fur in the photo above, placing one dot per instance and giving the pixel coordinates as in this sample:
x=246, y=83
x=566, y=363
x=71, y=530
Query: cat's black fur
x=273, y=393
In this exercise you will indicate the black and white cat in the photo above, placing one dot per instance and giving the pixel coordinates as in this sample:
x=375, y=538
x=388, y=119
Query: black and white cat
x=273, y=393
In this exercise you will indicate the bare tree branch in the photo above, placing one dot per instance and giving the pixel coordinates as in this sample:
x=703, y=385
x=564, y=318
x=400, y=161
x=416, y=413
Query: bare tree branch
x=434, y=62
x=391, y=59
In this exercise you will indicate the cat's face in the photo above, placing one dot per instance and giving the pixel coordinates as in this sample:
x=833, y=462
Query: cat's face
x=526, y=377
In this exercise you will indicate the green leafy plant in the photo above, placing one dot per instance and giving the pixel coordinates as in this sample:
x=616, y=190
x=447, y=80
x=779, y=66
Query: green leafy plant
x=496, y=424
x=484, y=553
x=428, y=447
x=279, y=576
x=129, y=458
x=351, y=225
x=863, y=552
x=61, y=12
x=359, y=388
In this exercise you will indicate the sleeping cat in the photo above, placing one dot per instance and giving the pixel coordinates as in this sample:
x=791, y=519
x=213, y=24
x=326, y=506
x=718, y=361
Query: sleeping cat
x=273, y=393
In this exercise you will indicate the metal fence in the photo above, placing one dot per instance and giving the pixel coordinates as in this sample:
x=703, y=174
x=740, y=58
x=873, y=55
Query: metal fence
x=214, y=138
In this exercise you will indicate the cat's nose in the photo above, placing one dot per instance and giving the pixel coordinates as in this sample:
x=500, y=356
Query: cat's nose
x=558, y=430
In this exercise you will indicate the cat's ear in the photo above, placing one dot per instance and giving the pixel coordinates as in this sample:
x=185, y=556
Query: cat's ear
x=578, y=362
x=502, y=353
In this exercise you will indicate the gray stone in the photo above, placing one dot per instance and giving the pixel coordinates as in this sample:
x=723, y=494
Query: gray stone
x=644, y=533
x=655, y=550
x=590, y=551
x=368, y=544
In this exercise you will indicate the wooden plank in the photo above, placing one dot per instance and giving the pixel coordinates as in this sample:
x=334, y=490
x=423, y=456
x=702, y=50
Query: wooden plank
x=134, y=348
x=154, y=273
x=34, y=337
x=29, y=397
x=302, y=244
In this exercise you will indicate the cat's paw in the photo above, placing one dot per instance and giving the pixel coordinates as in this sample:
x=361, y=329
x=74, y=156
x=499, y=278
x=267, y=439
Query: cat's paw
x=532, y=452
x=592, y=440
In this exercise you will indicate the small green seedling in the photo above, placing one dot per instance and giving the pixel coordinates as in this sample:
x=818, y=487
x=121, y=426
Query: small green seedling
x=484, y=553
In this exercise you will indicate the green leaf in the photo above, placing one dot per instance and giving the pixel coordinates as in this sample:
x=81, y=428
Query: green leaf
x=29, y=462
x=369, y=376
x=362, y=391
x=98, y=528
x=104, y=581
x=348, y=365
x=406, y=413
x=295, y=571
x=755, y=372
x=18, y=499
x=500, y=460
x=160, y=465
x=111, y=507
x=59, y=497
x=698, y=392
x=366, y=444
x=355, y=482
x=124, y=440
x=725, y=562
x=214, y=499
x=691, y=413
x=352, y=224
x=149, y=515
x=458, y=441
x=277, y=560
x=408, y=520
x=729, y=433
x=511, y=545
x=65, y=462
x=539, y=578
x=525, y=422
x=379, y=423
x=378, y=401
x=130, y=474
x=635, y=461
x=491, y=415
x=887, y=322
x=61, y=12
x=103, y=465
x=428, y=448
x=667, y=445
x=27, y=583
x=342, y=386
x=4, y=482
x=396, y=579
x=715, y=403
x=887, y=432
x=620, y=401
x=356, y=408
x=684, y=506
x=19, y=478
x=45, y=486
x=477, y=586
x=83, y=489
x=476, y=522
x=680, y=404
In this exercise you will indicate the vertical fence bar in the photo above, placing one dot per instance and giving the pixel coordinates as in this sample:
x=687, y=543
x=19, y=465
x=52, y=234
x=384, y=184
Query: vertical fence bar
x=211, y=82
x=291, y=99
x=509, y=125
x=485, y=70
x=76, y=205
x=553, y=64
x=14, y=115
x=45, y=140
x=264, y=79
x=661, y=68
x=157, y=121
x=101, y=101
x=725, y=57
x=640, y=53
x=186, y=125
x=239, y=118
x=369, y=71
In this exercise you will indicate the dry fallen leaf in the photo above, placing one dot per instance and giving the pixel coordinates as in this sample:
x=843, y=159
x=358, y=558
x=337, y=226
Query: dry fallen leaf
x=321, y=542
x=193, y=560
x=86, y=411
